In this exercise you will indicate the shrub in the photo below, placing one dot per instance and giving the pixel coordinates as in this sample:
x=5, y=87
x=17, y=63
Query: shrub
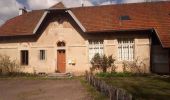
x=115, y=74
x=102, y=62
x=135, y=66
x=7, y=65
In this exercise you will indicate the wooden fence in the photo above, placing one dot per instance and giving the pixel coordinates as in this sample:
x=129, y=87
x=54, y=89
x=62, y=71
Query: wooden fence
x=108, y=90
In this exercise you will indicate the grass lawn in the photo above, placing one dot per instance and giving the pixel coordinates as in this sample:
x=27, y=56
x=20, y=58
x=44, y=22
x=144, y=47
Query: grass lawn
x=143, y=87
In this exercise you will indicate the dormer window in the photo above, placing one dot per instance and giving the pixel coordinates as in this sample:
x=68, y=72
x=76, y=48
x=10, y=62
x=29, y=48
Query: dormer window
x=125, y=17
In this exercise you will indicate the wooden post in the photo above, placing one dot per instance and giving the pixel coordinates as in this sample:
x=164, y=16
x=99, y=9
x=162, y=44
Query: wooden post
x=169, y=61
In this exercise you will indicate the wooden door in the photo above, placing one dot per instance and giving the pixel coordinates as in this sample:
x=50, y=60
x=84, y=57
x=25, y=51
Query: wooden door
x=61, y=61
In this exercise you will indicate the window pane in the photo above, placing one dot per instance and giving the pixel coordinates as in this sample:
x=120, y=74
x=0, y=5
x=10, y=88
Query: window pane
x=126, y=49
x=24, y=57
x=95, y=46
x=42, y=54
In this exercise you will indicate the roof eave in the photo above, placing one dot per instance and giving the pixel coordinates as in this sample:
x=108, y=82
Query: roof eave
x=163, y=46
x=121, y=30
x=76, y=20
x=40, y=21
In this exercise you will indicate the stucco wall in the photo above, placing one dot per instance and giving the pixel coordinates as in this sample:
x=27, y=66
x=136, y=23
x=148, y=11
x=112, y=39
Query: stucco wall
x=76, y=47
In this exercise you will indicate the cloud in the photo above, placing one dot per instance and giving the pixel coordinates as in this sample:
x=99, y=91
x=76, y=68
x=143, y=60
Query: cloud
x=135, y=1
x=107, y=2
x=132, y=1
x=42, y=4
x=8, y=9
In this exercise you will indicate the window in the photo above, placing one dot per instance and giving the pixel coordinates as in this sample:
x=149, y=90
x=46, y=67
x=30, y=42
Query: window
x=42, y=54
x=61, y=44
x=24, y=57
x=95, y=46
x=126, y=49
x=126, y=17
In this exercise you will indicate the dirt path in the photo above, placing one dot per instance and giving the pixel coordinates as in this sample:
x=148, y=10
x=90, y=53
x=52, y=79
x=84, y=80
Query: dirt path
x=27, y=89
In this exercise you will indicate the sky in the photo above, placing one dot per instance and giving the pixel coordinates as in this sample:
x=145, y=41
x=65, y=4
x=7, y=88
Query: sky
x=10, y=8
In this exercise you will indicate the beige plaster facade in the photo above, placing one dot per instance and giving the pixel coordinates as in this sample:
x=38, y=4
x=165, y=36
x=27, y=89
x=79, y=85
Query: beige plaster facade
x=76, y=47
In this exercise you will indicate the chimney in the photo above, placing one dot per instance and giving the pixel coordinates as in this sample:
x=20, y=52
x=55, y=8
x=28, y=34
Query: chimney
x=82, y=3
x=22, y=10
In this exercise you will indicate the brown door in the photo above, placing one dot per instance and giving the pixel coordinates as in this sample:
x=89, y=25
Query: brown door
x=61, y=61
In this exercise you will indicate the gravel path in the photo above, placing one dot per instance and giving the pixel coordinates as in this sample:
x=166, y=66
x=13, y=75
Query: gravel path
x=27, y=89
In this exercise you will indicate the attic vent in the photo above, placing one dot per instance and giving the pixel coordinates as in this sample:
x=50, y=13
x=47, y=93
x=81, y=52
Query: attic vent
x=126, y=17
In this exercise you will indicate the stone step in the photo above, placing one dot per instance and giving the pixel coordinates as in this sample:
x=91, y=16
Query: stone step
x=59, y=75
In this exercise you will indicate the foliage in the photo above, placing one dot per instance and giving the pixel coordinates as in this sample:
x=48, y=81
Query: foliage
x=136, y=66
x=7, y=65
x=102, y=62
x=16, y=74
x=114, y=74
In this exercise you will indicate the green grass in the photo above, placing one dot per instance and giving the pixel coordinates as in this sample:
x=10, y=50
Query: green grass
x=142, y=87
x=28, y=76
x=95, y=95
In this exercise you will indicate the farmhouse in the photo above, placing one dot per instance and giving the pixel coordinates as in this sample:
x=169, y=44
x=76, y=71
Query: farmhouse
x=61, y=39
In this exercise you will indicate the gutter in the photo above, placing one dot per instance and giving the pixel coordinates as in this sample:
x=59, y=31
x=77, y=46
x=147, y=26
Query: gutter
x=123, y=30
x=76, y=20
x=40, y=21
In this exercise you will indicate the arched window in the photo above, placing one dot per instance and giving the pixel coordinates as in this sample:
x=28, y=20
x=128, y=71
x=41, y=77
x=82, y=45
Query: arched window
x=61, y=44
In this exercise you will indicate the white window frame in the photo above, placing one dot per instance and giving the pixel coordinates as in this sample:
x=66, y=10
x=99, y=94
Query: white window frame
x=126, y=48
x=95, y=46
x=42, y=54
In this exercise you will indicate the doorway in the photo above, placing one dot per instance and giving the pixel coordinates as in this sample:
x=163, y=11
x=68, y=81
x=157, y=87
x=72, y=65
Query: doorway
x=61, y=61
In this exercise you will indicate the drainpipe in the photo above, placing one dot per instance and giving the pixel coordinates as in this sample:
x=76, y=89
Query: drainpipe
x=150, y=44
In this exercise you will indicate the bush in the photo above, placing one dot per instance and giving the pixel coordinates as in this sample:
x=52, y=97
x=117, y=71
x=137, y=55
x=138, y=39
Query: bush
x=114, y=74
x=135, y=66
x=17, y=74
x=7, y=65
x=102, y=62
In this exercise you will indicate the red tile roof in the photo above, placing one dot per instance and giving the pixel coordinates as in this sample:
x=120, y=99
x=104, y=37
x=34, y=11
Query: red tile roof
x=21, y=25
x=155, y=15
x=143, y=16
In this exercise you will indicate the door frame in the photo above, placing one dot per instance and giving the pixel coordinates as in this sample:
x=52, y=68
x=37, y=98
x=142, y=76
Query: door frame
x=60, y=49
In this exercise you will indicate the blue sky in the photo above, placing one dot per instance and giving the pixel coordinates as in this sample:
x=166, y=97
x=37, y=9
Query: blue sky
x=10, y=8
